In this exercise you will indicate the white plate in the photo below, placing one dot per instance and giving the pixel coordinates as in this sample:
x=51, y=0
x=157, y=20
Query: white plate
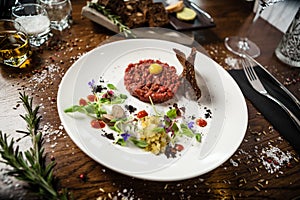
x=221, y=94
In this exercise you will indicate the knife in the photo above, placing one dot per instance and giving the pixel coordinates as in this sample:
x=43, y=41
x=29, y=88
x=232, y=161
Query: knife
x=196, y=7
x=297, y=102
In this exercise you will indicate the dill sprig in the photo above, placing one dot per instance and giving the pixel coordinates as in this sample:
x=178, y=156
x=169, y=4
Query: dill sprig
x=30, y=165
x=114, y=18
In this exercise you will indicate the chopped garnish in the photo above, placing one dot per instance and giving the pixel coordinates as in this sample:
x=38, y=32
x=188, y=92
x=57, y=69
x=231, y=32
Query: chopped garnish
x=152, y=130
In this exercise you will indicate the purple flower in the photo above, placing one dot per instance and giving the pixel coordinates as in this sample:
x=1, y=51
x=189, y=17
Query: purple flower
x=125, y=136
x=191, y=124
x=91, y=83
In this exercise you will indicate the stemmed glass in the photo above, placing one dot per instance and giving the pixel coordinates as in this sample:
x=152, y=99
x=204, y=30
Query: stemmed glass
x=242, y=45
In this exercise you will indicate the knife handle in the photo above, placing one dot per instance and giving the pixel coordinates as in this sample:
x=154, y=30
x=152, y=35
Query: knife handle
x=196, y=7
x=293, y=117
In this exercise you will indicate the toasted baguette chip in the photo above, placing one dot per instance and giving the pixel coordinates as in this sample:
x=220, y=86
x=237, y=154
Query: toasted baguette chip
x=176, y=7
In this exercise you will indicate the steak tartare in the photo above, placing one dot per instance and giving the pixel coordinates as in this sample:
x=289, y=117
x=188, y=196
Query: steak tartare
x=151, y=79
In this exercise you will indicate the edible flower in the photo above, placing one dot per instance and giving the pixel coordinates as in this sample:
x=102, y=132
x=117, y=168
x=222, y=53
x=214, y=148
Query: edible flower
x=108, y=95
x=191, y=124
x=125, y=136
x=91, y=83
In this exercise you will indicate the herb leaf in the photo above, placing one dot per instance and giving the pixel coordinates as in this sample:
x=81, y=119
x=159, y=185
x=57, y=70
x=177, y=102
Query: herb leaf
x=198, y=137
x=138, y=143
x=111, y=86
x=121, y=142
x=172, y=114
x=186, y=131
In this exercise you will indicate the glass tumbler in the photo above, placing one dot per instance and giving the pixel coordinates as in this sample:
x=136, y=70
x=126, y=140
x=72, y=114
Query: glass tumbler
x=288, y=50
x=14, y=45
x=60, y=13
x=34, y=19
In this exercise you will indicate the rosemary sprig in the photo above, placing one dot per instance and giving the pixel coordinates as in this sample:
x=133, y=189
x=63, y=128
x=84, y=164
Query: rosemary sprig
x=114, y=18
x=30, y=166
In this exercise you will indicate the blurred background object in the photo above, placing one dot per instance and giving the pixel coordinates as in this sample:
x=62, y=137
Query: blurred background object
x=281, y=14
x=14, y=45
x=59, y=12
x=288, y=50
x=5, y=8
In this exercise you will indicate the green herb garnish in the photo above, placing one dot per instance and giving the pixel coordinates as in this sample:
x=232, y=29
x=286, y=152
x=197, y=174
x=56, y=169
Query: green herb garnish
x=95, y=109
x=172, y=113
x=139, y=143
x=186, y=131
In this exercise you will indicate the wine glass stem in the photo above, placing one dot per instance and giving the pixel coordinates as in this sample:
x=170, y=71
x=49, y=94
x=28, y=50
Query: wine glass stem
x=243, y=44
x=258, y=13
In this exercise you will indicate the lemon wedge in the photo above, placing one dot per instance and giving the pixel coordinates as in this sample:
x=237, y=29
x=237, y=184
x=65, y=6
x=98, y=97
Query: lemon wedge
x=186, y=14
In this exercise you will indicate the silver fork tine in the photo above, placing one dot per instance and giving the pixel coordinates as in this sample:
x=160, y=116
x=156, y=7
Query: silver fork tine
x=252, y=76
x=258, y=86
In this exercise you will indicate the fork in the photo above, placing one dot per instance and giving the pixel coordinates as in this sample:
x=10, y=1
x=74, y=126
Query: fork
x=258, y=86
x=297, y=102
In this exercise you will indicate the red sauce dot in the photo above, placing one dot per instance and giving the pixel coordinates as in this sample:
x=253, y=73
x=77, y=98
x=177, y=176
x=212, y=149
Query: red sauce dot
x=82, y=102
x=201, y=122
x=142, y=114
x=96, y=123
x=91, y=98
x=179, y=147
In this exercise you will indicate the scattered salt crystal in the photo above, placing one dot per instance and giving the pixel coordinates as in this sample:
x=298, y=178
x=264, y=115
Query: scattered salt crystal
x=201, y=179
x=232, y=62
x=53, y=145
x=274, y=159
x=235, y=164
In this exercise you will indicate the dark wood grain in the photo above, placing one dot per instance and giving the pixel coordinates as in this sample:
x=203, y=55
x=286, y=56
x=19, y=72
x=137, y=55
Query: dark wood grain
x=243, y=176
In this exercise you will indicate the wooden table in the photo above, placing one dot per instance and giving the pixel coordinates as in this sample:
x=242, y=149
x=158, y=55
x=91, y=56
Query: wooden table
x=243, y=176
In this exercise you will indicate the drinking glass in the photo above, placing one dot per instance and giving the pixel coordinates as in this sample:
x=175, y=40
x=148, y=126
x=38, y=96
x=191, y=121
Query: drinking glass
x=34, y=19
x=14, y=45
x=60, y=13
x=242, y=45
